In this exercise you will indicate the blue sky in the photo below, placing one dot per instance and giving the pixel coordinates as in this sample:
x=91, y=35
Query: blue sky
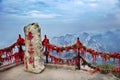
x=57, y=17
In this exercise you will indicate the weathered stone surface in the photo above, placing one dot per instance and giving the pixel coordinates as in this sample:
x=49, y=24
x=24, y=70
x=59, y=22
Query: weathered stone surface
x=33, y=61
x=17, y=73
x=59, y=66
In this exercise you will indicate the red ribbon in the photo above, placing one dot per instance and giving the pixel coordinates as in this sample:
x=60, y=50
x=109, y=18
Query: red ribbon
x=62, y=61
x=31, y=60
x=29, y=36
x=45, y=42
x=82, y=52
x=31, y=51
x=20, y=41
x=76, y=62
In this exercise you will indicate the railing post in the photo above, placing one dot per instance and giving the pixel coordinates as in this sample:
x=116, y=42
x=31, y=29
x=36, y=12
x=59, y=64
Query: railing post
x=78, y=53
x=46, y=53
x=78, y=65
x=20, y=42
x=45, y=43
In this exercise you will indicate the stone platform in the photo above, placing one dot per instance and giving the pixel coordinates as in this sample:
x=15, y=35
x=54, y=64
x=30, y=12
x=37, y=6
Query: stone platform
x=18, y=73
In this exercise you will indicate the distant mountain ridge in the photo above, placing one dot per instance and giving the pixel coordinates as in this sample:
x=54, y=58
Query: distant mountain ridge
x=108, y=41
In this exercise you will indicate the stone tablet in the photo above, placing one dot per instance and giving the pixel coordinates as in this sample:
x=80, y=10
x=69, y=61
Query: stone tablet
x=33, y=60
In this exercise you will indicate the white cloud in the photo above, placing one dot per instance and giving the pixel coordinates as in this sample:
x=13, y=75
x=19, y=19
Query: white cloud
x=69, y=20
x=56, y=8
x=67, y=7
x=38, y=14
x=79, y=3
x=94, y=5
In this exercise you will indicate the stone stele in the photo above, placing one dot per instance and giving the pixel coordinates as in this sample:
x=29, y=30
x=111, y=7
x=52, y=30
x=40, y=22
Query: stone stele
x=33, y=60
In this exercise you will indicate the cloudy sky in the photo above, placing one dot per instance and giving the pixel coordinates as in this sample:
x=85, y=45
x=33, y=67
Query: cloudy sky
x=57, y=17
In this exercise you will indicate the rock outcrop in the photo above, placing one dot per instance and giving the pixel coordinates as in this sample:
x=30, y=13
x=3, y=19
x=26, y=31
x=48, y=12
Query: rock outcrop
x=33, y=61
